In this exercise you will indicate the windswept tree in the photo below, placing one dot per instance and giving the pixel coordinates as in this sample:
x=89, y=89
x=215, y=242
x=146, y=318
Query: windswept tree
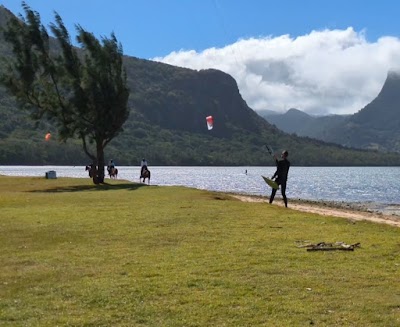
x=82, y=91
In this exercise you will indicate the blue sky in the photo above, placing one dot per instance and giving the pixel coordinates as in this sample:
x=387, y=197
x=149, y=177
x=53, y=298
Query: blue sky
x=318, y=56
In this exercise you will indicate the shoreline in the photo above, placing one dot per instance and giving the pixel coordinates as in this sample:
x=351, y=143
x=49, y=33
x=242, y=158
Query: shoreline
x=374, y=212
x=371, y=211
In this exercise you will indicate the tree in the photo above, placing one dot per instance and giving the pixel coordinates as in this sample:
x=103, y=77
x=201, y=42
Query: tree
x=83, y=92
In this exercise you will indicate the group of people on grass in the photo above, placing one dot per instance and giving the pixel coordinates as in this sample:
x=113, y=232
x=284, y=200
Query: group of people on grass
x=143, y=166
x=111, y=165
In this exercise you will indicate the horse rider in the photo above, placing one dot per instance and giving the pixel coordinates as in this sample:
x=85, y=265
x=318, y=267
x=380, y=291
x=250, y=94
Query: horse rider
x=111, y=165
x=143, y=166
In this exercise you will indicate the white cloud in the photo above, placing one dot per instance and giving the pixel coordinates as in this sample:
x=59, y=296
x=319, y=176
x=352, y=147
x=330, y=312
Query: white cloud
x=324, y=72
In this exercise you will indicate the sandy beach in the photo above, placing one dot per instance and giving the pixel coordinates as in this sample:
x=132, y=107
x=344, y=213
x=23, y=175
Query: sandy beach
x=384, y=214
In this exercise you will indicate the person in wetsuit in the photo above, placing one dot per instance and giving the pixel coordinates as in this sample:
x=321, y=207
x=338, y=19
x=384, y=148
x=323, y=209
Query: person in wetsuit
x=281, y=175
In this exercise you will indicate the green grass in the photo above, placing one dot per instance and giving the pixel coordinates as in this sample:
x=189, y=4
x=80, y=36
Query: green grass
x=125, y=254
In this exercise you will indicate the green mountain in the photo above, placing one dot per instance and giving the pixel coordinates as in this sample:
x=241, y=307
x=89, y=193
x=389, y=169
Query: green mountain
x=292, y=121
x=167, y=126
x=302, y=124
x=376, y=126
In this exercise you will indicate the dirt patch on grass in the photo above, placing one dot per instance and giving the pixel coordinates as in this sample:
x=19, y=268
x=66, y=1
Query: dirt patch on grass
x=378, y=213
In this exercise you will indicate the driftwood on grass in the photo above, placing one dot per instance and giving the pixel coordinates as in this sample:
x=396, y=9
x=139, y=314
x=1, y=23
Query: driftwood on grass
x=338, y=246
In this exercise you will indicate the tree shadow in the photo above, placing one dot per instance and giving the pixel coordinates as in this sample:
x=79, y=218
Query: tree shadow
x=99, y=187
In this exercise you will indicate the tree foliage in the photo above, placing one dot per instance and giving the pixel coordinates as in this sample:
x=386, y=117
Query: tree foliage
x=83, y=93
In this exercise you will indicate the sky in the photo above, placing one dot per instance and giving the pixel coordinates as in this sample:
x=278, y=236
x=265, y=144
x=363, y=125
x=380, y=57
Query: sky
x=319, y=56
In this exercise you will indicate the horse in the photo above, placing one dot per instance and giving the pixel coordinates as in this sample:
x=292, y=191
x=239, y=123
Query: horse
x=145, y=173
x=91, y=169
x=113, y=172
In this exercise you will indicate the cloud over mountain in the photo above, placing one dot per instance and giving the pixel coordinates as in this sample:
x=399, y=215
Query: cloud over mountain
x=323, y=72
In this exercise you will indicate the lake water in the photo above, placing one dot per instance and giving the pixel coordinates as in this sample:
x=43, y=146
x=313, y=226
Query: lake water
x=380, y=185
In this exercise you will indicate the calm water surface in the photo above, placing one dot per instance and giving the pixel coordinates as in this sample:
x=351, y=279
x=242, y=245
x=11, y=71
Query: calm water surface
x=347, y=184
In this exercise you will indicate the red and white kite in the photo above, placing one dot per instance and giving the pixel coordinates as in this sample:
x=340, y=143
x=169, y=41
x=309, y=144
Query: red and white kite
x=210, y=122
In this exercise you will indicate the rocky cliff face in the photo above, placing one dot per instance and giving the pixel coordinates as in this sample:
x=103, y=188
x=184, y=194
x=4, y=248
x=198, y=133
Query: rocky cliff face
x=377, y=125
x=383, y=112
x=180, y=98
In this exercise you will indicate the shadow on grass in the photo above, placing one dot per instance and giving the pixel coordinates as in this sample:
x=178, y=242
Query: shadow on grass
x=100, y=187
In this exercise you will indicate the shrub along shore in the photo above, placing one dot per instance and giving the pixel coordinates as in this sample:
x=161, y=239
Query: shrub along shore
x=128, y=254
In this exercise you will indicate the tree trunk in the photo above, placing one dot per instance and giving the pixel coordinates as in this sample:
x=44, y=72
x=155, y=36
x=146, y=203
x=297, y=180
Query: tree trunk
x=94, y=174
x=100, y=162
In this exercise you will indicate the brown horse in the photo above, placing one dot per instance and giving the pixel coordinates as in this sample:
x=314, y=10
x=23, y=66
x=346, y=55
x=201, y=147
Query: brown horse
x=145, y=173
x=113, y=172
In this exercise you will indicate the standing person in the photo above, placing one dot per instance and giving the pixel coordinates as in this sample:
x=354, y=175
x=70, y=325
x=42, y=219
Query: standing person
x=281, y=175
x=143, y=166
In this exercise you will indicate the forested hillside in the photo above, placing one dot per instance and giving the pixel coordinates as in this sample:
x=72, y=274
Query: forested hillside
x=376, y=126
x=298, y=122
x=168, y=107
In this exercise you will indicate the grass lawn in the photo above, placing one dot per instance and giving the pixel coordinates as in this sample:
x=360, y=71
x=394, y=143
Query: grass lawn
x=126, y=254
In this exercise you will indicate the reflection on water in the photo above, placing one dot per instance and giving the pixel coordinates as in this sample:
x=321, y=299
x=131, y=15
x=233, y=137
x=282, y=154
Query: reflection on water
x=348, y=184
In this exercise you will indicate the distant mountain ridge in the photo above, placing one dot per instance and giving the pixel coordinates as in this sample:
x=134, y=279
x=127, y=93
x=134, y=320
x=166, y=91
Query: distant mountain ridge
x=376, y=126
x=167, y=126
x=297, y=122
